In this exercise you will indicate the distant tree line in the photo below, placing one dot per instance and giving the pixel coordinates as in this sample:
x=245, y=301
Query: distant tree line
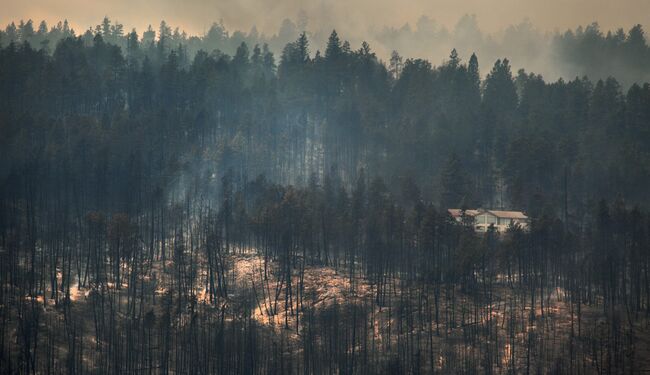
x=586, y=50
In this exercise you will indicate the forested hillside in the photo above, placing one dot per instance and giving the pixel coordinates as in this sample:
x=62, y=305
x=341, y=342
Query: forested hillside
x=171, y=209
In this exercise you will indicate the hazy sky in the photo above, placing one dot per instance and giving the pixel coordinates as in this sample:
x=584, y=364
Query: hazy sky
x=195, y=16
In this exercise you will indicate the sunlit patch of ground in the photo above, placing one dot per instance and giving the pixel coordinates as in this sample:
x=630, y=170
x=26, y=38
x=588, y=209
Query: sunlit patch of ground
x=261, y=286
x=275, y=304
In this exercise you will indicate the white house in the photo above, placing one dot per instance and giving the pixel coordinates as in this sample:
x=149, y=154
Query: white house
x=484, y=218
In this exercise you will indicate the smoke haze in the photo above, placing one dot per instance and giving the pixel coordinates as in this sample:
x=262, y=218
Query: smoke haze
x=520, y=30
x=195, y=16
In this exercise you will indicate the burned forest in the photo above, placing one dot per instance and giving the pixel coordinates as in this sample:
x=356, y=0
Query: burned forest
x=174, y=204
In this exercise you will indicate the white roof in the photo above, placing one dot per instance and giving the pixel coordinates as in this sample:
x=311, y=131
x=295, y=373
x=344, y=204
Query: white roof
x=456, y=212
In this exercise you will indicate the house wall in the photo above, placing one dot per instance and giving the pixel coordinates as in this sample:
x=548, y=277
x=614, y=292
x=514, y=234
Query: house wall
x=483, y=221
x=501, y=225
